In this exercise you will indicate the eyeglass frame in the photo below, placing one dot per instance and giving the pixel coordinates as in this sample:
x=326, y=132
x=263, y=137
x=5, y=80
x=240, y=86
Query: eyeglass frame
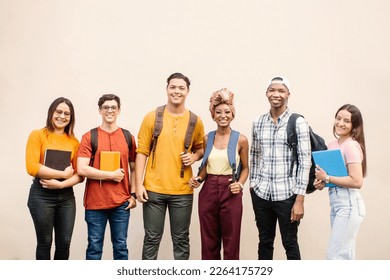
x=106, y=108
x=66, y=114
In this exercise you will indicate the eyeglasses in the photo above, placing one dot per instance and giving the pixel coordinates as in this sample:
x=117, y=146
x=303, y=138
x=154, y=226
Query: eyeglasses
x=106, y=108
x=60, y=112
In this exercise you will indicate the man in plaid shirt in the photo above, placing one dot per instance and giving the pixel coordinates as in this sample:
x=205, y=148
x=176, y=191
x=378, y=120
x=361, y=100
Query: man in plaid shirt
x=277, y=197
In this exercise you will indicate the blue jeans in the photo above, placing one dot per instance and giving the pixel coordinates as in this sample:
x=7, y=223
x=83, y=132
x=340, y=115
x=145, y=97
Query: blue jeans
x=180, y=209
x=52, y=210
x=267, y=213
x=347, y=211
x=119, y=223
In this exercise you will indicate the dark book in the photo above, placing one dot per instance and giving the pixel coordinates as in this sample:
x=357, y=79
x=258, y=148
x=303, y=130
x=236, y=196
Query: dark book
x=57, y=159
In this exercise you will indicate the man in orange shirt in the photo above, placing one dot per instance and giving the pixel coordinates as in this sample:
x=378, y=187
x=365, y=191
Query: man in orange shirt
x=108, y=195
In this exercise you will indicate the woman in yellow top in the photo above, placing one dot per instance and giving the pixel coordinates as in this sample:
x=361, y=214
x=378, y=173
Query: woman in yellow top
x=220, y=199
x=51, y=199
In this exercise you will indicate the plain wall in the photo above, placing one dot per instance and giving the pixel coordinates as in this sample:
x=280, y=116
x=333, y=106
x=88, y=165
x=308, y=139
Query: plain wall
x=333, y=52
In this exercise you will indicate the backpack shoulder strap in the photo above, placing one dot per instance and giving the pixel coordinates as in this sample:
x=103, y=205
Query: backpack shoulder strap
x=158, y=124
x=190, y=130
x=128, y=138
x=291, y=130
x=232, y=146
x=292, y=138
x=94, y=143
x=188, y=137
x=209, y=147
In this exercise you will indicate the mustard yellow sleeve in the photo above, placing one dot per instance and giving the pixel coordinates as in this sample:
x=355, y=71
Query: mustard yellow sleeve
x=145, y=134
x=33, y=153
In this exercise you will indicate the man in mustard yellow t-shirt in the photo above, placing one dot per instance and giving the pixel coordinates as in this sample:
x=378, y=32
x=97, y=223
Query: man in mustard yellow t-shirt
x=161, y=186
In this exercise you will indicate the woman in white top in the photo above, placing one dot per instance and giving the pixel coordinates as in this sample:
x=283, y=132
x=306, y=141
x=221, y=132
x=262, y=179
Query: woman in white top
x=347, y=208
x=220, y=199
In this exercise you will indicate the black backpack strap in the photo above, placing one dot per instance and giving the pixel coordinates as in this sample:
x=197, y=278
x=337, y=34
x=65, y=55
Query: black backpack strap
x=188, y=137
x=128, y=138
x=292, y=138
x=94, y=144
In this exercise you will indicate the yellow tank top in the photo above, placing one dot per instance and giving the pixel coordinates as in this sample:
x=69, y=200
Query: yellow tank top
x=218, y=162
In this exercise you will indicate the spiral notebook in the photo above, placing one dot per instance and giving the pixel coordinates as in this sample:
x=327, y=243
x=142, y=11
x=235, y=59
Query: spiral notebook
x=332, y=162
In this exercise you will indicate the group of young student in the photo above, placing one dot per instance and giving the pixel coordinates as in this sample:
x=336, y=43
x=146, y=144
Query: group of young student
x=156, y=171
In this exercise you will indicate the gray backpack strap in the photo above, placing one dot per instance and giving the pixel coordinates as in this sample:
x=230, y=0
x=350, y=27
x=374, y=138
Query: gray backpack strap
x=232, y=146
x=188, y=137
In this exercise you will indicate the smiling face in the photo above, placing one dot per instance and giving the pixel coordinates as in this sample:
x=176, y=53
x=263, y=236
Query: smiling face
x=177, y=91
x=343, y=124
x=109, y=111
x=61, y=117
x=223, y=115
x=277, y=95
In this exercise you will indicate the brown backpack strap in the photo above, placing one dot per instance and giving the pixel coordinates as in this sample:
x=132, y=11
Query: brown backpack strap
x=158, y=124
x=188, y=138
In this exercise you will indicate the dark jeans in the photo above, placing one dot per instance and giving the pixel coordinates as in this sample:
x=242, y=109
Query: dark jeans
x=52, y=210
x=119, y=224
x=267, y=213
x=180, y=209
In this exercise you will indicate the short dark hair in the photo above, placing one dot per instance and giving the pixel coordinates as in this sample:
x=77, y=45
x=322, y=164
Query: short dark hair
x=179, y=76
x=106, y=97
x=50, y=112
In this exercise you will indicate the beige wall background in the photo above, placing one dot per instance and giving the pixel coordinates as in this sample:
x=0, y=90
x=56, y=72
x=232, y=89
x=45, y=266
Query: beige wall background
x=333, y=52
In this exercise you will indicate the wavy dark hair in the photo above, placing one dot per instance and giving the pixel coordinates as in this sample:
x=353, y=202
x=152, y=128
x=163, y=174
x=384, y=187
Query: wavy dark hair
x=179, y=76
x=357, y=132
x=49, y=121
x=109, y=97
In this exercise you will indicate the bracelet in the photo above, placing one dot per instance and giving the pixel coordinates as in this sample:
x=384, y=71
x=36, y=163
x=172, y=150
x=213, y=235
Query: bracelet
x=327, y=179
x=199, y=179
x=240, y=184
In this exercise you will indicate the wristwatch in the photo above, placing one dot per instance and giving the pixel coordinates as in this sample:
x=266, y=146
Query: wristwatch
x=133, y=195
x=327, y=179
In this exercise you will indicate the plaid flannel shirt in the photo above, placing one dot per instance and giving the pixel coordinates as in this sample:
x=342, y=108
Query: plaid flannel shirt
x=271, y=158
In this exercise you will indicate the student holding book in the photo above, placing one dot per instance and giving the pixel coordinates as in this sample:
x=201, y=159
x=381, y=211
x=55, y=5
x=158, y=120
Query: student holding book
x=108, y=193
x=347, y=208
x=51, y=199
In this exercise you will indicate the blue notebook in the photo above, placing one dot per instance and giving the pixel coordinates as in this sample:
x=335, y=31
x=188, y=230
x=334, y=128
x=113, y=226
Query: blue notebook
x=332, y=162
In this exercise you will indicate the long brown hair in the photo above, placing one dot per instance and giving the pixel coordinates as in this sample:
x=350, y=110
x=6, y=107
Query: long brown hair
x=357, y=132
x=49, y=121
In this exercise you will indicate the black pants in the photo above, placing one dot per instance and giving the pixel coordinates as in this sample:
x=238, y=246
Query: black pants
x=267, y=213
x=52, y=211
